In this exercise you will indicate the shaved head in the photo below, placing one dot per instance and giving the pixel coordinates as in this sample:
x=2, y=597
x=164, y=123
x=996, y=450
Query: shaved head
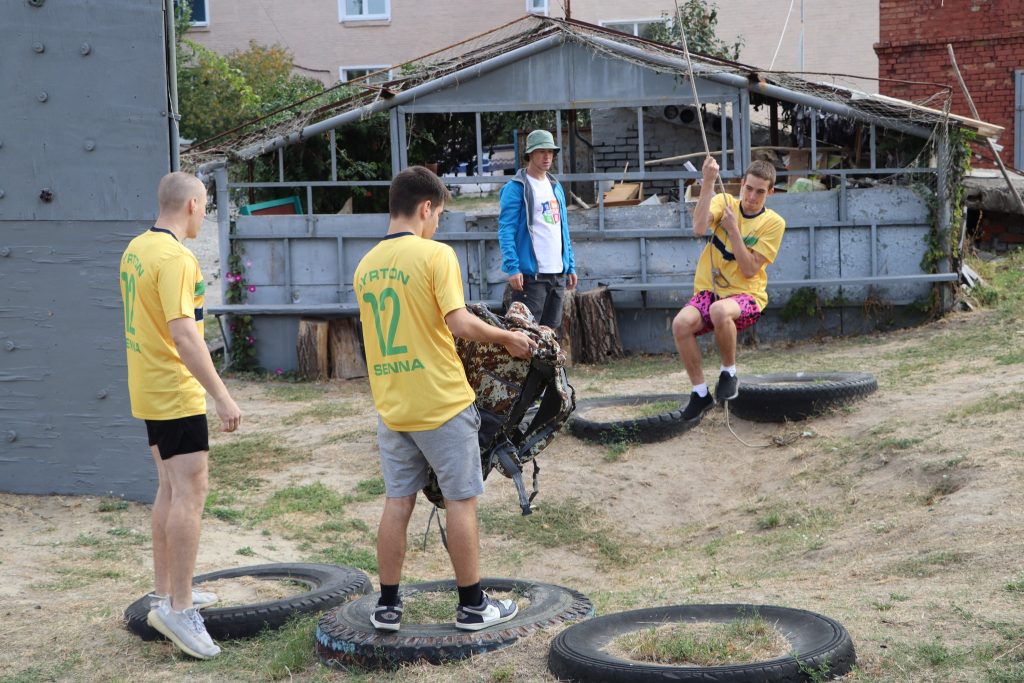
x=176, y=189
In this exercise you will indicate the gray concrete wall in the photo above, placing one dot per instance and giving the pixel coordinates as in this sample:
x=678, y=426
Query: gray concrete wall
x=83, y=144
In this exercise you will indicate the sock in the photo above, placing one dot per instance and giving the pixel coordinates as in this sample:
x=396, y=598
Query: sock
x=388, y=595
x=470, y=596
x=701, y=389
x=730, y=369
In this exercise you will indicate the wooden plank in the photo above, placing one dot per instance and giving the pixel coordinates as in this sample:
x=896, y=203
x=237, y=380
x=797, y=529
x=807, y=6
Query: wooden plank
x=311, y=348
x=345, y=355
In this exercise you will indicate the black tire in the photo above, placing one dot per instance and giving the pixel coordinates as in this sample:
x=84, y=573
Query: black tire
x=329, y=585
x=799, y=395
x=818, y=644
x=644, y=430
x=345, y=637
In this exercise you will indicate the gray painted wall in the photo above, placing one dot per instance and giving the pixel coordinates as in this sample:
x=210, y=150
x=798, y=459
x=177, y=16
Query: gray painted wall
x=83, y=144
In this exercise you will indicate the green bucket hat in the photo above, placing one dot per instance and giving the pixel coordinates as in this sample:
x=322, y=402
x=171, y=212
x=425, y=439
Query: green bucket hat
x=540, y=139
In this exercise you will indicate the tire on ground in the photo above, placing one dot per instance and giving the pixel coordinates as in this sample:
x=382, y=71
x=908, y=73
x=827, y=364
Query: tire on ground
x=817, y=645
x=799, y=395
x=345, y=637
x=329, y=585
x=644, y=430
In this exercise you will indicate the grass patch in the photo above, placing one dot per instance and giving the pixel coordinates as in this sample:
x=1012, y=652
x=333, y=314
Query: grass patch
x=616, y=449
x=271, y=656
x=929, y=564
x=370, y=489
x=293, y=392
x=347, y=556
x=639, y=366
x=312, y=498
x=566, y=524
x=1017, y=585
x=112, y=505
x=225, y=514
x=232, y=464
x=705, y=644
x=321, y=412
x=1000, y=403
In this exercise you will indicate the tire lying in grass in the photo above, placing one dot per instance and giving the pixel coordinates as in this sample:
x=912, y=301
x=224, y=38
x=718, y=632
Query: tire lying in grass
x=644, y=429
x=799, y=395
x=345, y=637
x=329, y=585
x=820, y=648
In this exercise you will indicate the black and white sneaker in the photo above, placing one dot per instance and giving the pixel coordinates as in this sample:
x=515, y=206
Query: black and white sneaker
x=697, y=406
x=486, y=614
x=728, y=387
x=387, y=617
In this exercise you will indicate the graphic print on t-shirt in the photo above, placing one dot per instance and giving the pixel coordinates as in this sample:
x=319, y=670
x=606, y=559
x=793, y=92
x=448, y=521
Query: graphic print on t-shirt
x=549, y=212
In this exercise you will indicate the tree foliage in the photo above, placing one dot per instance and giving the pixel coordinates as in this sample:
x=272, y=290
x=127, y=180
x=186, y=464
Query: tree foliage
x=219, y=92
x=700, y=20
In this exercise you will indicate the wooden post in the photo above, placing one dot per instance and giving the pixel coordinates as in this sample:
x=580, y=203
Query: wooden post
x=311, y=349
x=345, y=355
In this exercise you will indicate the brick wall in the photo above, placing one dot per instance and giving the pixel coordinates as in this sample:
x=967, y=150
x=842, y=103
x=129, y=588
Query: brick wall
x=987, y=38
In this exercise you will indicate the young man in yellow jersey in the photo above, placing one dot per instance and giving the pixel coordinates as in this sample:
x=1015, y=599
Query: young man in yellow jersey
x=410, y=297
x=169, y=373
x=730, y=286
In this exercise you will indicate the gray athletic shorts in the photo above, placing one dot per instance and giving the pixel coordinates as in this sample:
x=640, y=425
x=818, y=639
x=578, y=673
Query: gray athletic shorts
x=452, y=450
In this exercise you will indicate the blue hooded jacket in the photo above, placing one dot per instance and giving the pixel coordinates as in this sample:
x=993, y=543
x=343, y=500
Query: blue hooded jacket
x=515, y=231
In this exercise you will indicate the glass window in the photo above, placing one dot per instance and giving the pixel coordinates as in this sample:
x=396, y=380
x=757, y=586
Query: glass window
x=347, y=73
x=365, y=9
x=200, y=15
x=640, y=28
x=537, y=6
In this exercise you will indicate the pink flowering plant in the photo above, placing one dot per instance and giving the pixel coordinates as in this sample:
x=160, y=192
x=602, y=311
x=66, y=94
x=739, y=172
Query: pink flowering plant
x=243, y=343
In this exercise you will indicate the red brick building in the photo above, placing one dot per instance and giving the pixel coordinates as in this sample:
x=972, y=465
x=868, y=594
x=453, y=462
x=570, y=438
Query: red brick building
x=988, y=39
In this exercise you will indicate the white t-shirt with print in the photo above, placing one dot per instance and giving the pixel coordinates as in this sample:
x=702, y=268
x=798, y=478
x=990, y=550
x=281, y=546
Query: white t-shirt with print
x=547, y=226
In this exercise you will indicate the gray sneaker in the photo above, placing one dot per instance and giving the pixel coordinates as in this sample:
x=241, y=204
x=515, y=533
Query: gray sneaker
x=200, y=599
x=486, y=614
x=185, y=629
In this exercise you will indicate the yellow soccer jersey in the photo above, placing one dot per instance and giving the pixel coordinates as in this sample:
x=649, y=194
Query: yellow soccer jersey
x=406, y=285
x=160, y=282
x=761, y=233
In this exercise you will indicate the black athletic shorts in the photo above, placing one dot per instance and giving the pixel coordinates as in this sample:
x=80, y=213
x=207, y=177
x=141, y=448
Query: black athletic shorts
x=182, y=435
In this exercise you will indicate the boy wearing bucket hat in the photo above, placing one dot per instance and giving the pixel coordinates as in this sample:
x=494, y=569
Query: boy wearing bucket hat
x=533, y=232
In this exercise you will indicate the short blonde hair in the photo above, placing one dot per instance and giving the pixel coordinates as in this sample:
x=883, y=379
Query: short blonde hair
x=176, y=189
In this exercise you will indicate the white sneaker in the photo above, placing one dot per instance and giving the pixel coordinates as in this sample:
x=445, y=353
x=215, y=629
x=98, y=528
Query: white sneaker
x=184, y=628
x=200, y=599
x=486, y=614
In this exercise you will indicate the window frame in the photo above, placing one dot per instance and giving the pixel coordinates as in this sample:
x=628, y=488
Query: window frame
x=604, y=23
x=206, y=12
x=368, y=68
x=530, y=9
x=344, y=17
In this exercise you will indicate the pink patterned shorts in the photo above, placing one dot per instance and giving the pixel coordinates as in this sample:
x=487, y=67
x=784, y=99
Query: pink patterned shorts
x=749, y=311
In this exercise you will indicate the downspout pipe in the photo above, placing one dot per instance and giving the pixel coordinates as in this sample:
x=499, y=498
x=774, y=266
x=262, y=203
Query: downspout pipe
x=406, y=96
x=171, y=52
x=777, y=92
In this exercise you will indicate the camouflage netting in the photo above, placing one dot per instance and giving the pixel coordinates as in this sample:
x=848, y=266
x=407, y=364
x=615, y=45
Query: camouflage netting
x=250, y=140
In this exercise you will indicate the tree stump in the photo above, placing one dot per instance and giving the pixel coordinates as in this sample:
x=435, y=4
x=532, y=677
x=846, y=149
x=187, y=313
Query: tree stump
x=570, y=335
x=346, y=356
x=311, y=349
x=599, y=328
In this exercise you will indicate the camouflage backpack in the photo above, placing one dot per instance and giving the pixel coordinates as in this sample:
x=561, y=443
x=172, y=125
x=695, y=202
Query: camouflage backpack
x=512, y=430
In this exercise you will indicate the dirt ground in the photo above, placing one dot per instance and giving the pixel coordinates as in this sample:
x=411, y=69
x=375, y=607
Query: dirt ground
x=900, y=517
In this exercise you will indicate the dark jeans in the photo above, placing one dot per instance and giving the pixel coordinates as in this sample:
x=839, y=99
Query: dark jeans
x=543, y=295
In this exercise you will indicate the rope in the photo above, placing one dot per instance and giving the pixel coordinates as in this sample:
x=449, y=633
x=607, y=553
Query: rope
x=783, y=34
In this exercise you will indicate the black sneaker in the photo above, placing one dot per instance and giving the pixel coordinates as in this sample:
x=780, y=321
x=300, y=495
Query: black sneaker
x=697, y=406
x=486, y=614
x=728, y=387
x=387, y=617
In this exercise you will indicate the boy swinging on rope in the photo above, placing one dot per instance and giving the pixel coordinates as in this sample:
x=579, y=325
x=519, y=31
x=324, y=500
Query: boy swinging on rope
x=730, y=286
